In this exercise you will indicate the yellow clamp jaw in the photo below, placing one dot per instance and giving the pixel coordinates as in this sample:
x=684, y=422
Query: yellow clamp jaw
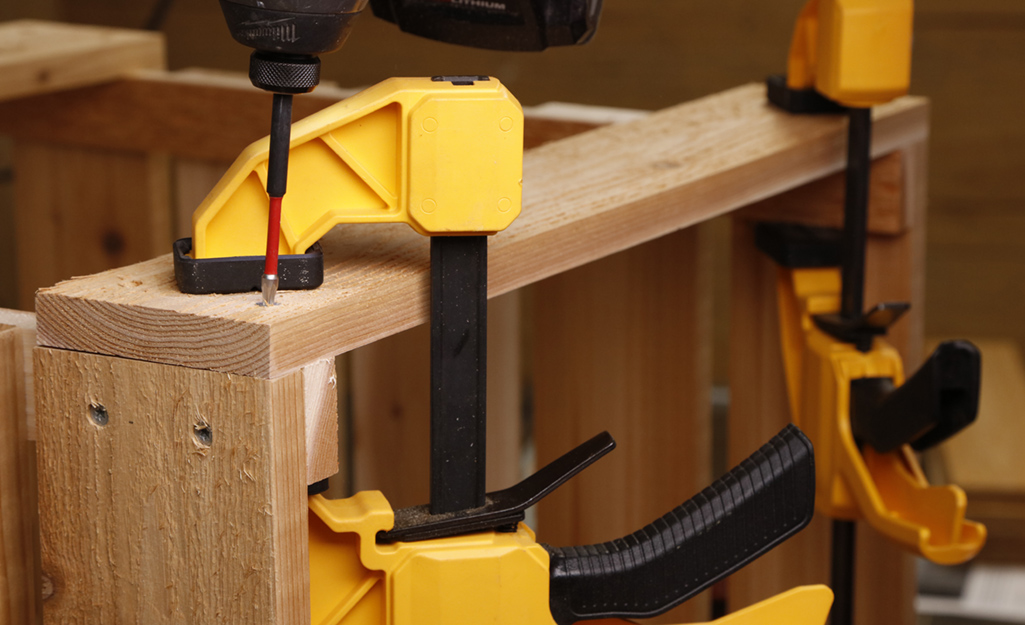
x=854, y=52
x=445, y=157
x=489, y=577
x=888, y=490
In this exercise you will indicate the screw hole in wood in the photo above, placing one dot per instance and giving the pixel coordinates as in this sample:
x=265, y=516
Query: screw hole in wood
x=98, y=413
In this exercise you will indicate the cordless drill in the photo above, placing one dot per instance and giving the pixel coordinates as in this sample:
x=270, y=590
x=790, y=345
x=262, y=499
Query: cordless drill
x=288, y=36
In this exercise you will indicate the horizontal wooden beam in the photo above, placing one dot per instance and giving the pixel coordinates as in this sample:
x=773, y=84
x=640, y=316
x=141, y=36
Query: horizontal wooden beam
x=196, y=114
x=585, y=198
x=41, y=57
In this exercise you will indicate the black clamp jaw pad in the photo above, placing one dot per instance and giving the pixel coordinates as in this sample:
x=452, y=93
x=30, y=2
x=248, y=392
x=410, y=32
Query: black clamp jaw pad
x=241, y=274
x=937, y=402
x=512, y=25
x=797, y=246
x=759, y=504
x=800, y=101
x=502, y=510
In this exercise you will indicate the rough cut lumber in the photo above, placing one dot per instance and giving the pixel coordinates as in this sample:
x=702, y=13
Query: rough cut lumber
x=185, y=502
x=208, y=116
x=19, y=578
x=40, y=57
x=624, y=345
x=885, y=582
x=585, y=197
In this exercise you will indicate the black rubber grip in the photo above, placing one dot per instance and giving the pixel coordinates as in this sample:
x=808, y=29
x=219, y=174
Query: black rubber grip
x=759, y=504
x=937, y=402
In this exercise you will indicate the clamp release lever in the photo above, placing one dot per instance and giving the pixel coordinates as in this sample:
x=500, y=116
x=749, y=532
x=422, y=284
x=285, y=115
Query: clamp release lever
x=937, y=402
x=759, y=504
x=504, y=508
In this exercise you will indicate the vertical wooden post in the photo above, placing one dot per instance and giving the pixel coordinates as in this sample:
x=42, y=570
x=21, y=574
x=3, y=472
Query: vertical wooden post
x=623, y=345
x=19, y=575
x=171, y=495
x=884, y=583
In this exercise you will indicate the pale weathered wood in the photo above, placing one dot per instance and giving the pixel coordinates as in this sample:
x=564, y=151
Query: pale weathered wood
x=320, y=403
x=390, y=388
x=19, y=574
x=39, y=57
x=624, y=344
x=885, y=580
x=80, y=211
x=584, y=198
x=25, y=323
x=187, y=505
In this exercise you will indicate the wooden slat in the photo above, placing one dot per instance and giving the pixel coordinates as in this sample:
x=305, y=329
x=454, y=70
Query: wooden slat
x=885, y=574
x=40, y=57
x=624, y=345
x=584, y=198
x=195, y=115
x=19, y=576
x=82, y=210
x=146, y=520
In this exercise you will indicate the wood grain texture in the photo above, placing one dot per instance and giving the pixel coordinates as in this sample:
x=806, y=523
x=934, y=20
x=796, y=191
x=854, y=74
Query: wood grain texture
x=25, y=324
x=81, y=210
x=624, y=345
x=147, y=519
x=390, y=387
x=820, y=203
x=198, y=115
x=885, y=580
x=320, y=403
x=20, y=600
x=585, y=197
x=39, y=57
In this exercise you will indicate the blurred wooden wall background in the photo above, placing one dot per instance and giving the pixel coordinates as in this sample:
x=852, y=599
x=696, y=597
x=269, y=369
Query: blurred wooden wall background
x=653, y=53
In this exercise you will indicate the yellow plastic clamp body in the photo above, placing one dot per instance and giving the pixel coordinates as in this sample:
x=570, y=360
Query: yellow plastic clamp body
x=441, y=157
x=489, y=577
x=855, y=52
x=889, y=491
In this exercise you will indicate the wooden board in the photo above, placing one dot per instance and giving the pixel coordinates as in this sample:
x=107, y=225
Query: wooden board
x=585, y=197
x=759, y=408
x=84, y=210
x=39, y=57
x=204, y=116
x=19, y=574
x=624, y=345
x=188, y=505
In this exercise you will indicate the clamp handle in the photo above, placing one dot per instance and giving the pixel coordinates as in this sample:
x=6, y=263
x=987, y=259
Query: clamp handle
x=759, y=504
x=940, y=400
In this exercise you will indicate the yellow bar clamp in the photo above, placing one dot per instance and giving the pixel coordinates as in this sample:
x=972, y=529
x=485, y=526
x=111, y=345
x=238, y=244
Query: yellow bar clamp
x=855, y=52
x=444, y=158
x=488, y=577
x=887, y=490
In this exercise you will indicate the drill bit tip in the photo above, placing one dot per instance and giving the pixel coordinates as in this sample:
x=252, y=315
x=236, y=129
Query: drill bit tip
x=269, y=288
